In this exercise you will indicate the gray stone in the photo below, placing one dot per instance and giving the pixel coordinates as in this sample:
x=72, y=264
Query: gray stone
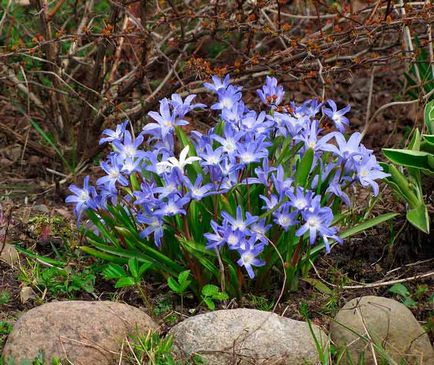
x=386, y=322
x=246, y=336
x=84, y=333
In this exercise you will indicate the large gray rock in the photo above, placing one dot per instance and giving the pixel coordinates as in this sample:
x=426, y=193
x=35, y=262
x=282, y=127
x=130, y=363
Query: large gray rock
x=84, y=333
x=385, y=321
x=246, y=336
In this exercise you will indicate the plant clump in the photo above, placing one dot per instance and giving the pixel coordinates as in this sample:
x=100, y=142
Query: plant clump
x=261, y=187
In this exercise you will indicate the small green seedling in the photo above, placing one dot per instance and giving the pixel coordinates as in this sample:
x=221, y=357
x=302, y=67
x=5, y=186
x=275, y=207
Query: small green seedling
x=180, y=285
x=211, y=293
x=131, y=277
x=402, y=291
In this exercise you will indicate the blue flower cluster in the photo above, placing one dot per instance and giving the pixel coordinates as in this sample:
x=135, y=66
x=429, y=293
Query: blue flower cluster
x=239, y=151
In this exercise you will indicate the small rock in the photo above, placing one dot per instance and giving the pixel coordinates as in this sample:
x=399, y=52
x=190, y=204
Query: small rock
x=385, y=320
x=41, y=208
x=85, y=333
x=9, y=254
x=26, y=293
x=246, y=336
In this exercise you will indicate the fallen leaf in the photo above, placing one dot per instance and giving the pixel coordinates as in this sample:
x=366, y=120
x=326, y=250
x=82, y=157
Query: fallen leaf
x=9, y=254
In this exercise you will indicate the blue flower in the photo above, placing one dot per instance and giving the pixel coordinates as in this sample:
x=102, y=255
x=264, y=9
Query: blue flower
x=218, y=84
x=271, y=93
x=83, y=198
x=129, y=148
x=154, y=226
x=230, y=138
x=166, y=121
x=115, y=135
x=252, y=150
x=317, y=221
x=284, y=218
x=113, y=169
x=197, y=191
x=227, y=98
x=248, y=256
x=368, y=170
x=337, y=116
x=173, y=206
x=301, y=200
x=182, y=107
x=216, y=239
x=238, y=222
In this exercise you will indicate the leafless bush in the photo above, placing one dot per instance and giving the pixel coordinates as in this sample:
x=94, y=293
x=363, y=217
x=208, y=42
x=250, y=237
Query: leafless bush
x=76, y=66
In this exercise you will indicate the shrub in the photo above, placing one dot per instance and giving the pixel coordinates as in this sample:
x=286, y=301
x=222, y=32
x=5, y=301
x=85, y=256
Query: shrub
x=257, y=191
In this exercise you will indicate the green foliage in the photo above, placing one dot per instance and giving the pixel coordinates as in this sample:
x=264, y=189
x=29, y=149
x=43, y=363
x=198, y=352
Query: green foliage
x=133, y=277
x=423, y=68
x=402, y=291
x=5, y=297
x=418, y=159
x=151, y=349
x=210, y=294
x=58, y=280
x=411, y=300
x=180, y=286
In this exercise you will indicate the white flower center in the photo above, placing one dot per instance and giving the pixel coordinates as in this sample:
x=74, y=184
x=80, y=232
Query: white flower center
x=283, y=220
x=247, y=157
x=247, y=258
x=313, y=222
x=171, y=208
x=114, y=174
x=300, y=203
x=239, y=225
x=129, y=151
x=312, y=144
x=227, y=103
x=84, y=196
x=363, y=172
x=213, y=160
x=232, y=239
x=229, y=145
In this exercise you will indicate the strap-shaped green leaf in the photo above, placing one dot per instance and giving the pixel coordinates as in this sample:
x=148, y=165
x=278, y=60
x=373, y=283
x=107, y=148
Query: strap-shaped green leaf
x=304, y=167
x=429, y=116
x=419, y=218
x=409, y=158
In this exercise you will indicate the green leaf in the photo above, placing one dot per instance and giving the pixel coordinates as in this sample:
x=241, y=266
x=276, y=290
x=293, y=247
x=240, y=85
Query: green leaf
x=143, y=268
x=183, y=276
x=221, y=296
x=409, y=158
x=125, y=281
x=401, y=185
x=209, y=303
x=367, y=224
x=114, y=271
x=47, y=139
x=210, y=290
x=133, y=266
x=304, y=167
x=419, y=218
x=400, y=289
x=409, y=302
x=318, y=285
x=414, y=144
x=429, y=116
x=173, y=285
x=354, y=230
